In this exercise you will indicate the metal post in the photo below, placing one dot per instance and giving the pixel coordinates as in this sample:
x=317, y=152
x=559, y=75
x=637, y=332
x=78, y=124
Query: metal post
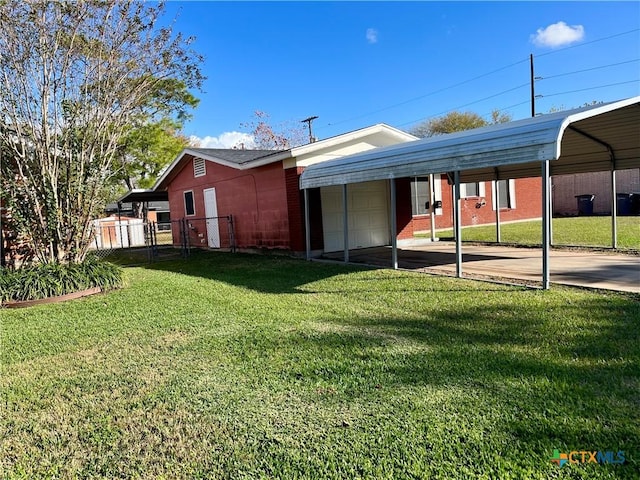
x=496, y=196
x=232, y=234
x=546, y=226
x=457, y=227
x=550, y=209
x=432, y=200
x=345, y=223
x=307, y=224
x=394, y=234
x=614, y=210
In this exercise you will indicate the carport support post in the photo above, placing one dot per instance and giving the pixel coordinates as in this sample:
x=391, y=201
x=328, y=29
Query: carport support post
x=546, y=225
x=307, y=224
x=496, y=200
x=550, y=209
x=614, y=210
x=432, y=199
x=457, y=222
x=345, y=223
x=394, y=234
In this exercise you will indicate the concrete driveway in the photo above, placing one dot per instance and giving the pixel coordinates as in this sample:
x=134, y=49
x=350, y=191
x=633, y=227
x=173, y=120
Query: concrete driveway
x=523, y=265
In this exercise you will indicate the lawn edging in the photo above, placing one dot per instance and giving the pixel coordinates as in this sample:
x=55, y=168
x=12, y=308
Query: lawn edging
x=57, y=299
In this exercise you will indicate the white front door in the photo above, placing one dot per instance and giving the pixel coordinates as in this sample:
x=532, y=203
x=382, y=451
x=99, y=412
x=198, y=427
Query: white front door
x=211, y=212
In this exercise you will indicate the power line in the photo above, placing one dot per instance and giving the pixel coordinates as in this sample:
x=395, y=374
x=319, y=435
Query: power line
x=591, y=88
x=470, y=103
x=589, y=69
x=444, y=89
x=429, y=94
x=588, y=43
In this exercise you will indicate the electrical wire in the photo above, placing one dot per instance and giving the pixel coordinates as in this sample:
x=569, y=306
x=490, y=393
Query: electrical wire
x=467, y=104
x=427, y=94
x=590, y=88
x=589, y=69
x=491, y=73
x=588, y=43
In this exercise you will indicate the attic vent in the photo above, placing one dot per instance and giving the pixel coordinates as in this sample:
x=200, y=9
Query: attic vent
x=199, y=168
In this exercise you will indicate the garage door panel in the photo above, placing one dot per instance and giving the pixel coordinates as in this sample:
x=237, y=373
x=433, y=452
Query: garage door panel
x=368, y=215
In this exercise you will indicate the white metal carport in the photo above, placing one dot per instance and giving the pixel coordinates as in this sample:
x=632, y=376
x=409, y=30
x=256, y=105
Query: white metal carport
x=598, y=138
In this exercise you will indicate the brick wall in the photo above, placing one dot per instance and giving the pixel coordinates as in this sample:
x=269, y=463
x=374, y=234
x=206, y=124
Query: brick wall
x=295, y=204
x=257, y=199
x=528, y=205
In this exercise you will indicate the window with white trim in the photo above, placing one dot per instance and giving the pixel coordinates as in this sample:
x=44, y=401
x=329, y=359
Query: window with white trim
x=189, y=204
x=470, y=190
x=199, y=167
x=506, y=194
x=419, y=195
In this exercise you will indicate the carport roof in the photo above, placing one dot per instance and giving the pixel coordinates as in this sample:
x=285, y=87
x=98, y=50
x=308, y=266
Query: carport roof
x=589, y=139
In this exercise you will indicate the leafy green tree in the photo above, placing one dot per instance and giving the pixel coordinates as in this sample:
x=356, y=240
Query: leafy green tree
x=456, y=122
x=77, y=79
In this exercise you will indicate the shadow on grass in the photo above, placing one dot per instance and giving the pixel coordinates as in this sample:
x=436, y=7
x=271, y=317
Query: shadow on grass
x=410, y=258
x=274, y=273
x=569, y=382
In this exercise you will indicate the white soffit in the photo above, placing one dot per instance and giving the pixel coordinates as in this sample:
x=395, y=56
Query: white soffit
x=575, y=141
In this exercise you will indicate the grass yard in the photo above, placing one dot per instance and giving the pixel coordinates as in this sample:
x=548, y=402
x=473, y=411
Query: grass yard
x=574, y=231
x=239, y=366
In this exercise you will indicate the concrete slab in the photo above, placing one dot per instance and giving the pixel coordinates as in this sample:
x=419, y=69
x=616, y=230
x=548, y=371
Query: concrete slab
x=579, y=268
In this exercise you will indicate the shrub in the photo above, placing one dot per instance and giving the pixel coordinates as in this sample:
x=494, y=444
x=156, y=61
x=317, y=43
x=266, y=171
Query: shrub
x=50, y=280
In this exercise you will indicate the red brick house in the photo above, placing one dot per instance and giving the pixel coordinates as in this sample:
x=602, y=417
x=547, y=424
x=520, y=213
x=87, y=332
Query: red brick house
x=260, y=190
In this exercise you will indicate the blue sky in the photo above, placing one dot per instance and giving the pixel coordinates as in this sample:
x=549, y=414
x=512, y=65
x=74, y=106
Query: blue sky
x=354, y=64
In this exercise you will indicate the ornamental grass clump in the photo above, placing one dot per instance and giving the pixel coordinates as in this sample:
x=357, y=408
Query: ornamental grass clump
x=54, y=279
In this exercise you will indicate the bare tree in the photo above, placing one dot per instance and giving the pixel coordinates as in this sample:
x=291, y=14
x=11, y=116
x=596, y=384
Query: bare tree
x=267, y=138
x=74, y=76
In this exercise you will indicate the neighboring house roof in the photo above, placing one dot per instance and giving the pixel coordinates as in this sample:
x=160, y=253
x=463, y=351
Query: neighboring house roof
x=144, y=195
x=304, y=155
x=128, y=205
x=588, y=139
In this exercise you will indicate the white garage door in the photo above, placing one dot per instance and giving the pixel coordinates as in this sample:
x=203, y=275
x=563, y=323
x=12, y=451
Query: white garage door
x=368, y=212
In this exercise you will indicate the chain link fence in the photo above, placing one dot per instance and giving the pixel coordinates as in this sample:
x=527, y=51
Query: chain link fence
x=131, y=241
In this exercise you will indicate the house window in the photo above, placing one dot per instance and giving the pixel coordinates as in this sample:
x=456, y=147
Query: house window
x=199, y=167
x=189, y=204
x=419, y=195
x=469, y=190
x=506, y=194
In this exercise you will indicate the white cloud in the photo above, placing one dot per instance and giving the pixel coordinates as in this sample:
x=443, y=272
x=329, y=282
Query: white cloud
x=372, y=35
x=557, y=35
x=224, y=140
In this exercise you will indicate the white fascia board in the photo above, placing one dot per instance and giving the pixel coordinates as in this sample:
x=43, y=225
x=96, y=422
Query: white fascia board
x=348, y=137
x=168, y=170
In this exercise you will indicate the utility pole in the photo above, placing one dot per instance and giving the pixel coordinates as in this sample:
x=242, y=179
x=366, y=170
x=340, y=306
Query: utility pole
x=533, y=91
x=308, y=122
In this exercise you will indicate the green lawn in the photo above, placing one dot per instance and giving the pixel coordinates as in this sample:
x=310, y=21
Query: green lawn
x=239, y=366
x=574, y=231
